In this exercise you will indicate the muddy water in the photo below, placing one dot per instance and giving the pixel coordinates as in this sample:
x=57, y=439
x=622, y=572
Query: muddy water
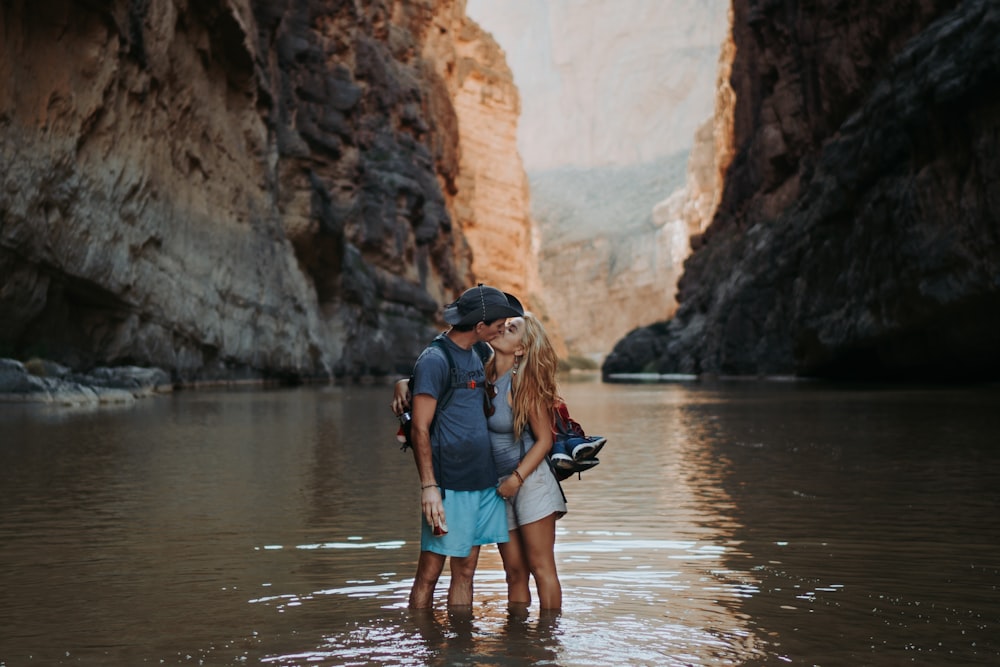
x=737, y=523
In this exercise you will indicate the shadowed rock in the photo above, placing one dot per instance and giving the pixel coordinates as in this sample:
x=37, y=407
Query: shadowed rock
x=859, y=231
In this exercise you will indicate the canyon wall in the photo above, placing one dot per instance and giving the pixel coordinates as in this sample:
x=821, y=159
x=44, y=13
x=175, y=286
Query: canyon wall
x=249, y=188
x=613, y=93
x=493, y=211
x=858, y=234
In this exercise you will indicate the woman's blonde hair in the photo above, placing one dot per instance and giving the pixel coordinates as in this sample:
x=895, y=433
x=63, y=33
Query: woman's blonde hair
x=535, y=381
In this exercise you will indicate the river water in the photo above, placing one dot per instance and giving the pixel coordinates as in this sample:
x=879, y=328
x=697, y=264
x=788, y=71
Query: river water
x=741, y=523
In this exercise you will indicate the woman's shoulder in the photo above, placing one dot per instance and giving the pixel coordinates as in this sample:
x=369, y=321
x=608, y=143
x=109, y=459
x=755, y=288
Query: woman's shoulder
x=503, y=380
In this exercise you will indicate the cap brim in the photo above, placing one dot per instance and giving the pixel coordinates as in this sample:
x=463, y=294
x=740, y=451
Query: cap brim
x=515, y=304
x=451, y=315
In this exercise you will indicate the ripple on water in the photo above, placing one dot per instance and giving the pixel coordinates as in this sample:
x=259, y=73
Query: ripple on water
x=626, y=610
x=725, y=525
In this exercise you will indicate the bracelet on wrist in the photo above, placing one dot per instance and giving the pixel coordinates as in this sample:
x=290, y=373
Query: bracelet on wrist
x=518, y=475
x=428, y=486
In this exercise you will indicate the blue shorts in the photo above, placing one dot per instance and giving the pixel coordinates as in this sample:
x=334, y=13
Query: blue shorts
x=473, y=518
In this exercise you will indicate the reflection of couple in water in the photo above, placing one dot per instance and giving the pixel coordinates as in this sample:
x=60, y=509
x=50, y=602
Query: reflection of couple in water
x=480, y=435
x=451, y=637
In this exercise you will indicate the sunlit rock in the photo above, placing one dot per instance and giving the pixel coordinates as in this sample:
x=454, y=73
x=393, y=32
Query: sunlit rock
x=239, y=190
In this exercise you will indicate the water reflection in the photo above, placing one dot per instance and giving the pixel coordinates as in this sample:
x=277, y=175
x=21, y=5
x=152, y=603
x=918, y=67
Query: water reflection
x=439, y=638
x=872, y=512
x=746, y=524
x=660, y=577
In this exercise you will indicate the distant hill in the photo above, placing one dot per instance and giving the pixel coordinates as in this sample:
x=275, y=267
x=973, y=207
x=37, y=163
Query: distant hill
x=606, y=264
x=571, y=204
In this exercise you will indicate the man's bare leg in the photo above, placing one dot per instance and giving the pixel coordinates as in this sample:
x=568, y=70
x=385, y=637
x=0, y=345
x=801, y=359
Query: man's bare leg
x=429, y=568
x=462, y=571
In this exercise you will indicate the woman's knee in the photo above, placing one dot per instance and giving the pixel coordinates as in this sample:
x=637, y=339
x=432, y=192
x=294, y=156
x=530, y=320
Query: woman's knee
x=544, y=569
x=516, y=573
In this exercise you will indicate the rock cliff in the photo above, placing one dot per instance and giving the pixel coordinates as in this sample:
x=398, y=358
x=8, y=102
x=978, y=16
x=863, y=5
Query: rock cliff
x=493, y=211
x=248, y=188
x=858, y=233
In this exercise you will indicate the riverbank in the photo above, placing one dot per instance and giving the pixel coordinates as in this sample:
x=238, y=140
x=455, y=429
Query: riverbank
x=42, y=381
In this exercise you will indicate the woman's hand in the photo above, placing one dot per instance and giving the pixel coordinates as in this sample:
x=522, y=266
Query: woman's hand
x=401, y=397
x=509, y=487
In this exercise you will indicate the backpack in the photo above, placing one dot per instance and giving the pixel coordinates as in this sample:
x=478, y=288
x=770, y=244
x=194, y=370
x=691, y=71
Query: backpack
x=573, y=451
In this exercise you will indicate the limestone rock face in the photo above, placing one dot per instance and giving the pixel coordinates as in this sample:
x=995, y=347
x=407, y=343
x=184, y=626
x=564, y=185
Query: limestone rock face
x=492, y=203
x=235, y=188
x=859, y=229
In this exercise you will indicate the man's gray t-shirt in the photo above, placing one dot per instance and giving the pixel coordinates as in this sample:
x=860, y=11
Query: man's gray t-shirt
x=460, y=441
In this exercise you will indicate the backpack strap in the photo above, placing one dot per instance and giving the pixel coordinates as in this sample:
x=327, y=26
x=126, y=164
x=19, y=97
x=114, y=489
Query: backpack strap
x=446, y=395
x=449, y=388
x=484, y=351
x=442, y=402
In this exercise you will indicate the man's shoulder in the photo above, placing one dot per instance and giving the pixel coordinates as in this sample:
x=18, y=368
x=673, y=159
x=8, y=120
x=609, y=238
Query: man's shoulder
x=434, y=352
x=432, y=364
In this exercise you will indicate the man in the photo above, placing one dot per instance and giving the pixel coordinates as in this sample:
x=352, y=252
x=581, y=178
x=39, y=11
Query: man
x=451, y=447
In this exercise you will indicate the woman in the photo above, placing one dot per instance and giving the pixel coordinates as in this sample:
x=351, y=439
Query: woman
x=523, y=370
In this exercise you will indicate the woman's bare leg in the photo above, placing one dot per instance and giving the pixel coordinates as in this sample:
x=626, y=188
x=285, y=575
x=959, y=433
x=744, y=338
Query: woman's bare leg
x=539, y=541
x=515, y=566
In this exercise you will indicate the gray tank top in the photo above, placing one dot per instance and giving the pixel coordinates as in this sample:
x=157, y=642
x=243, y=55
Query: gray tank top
x=507, y=450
